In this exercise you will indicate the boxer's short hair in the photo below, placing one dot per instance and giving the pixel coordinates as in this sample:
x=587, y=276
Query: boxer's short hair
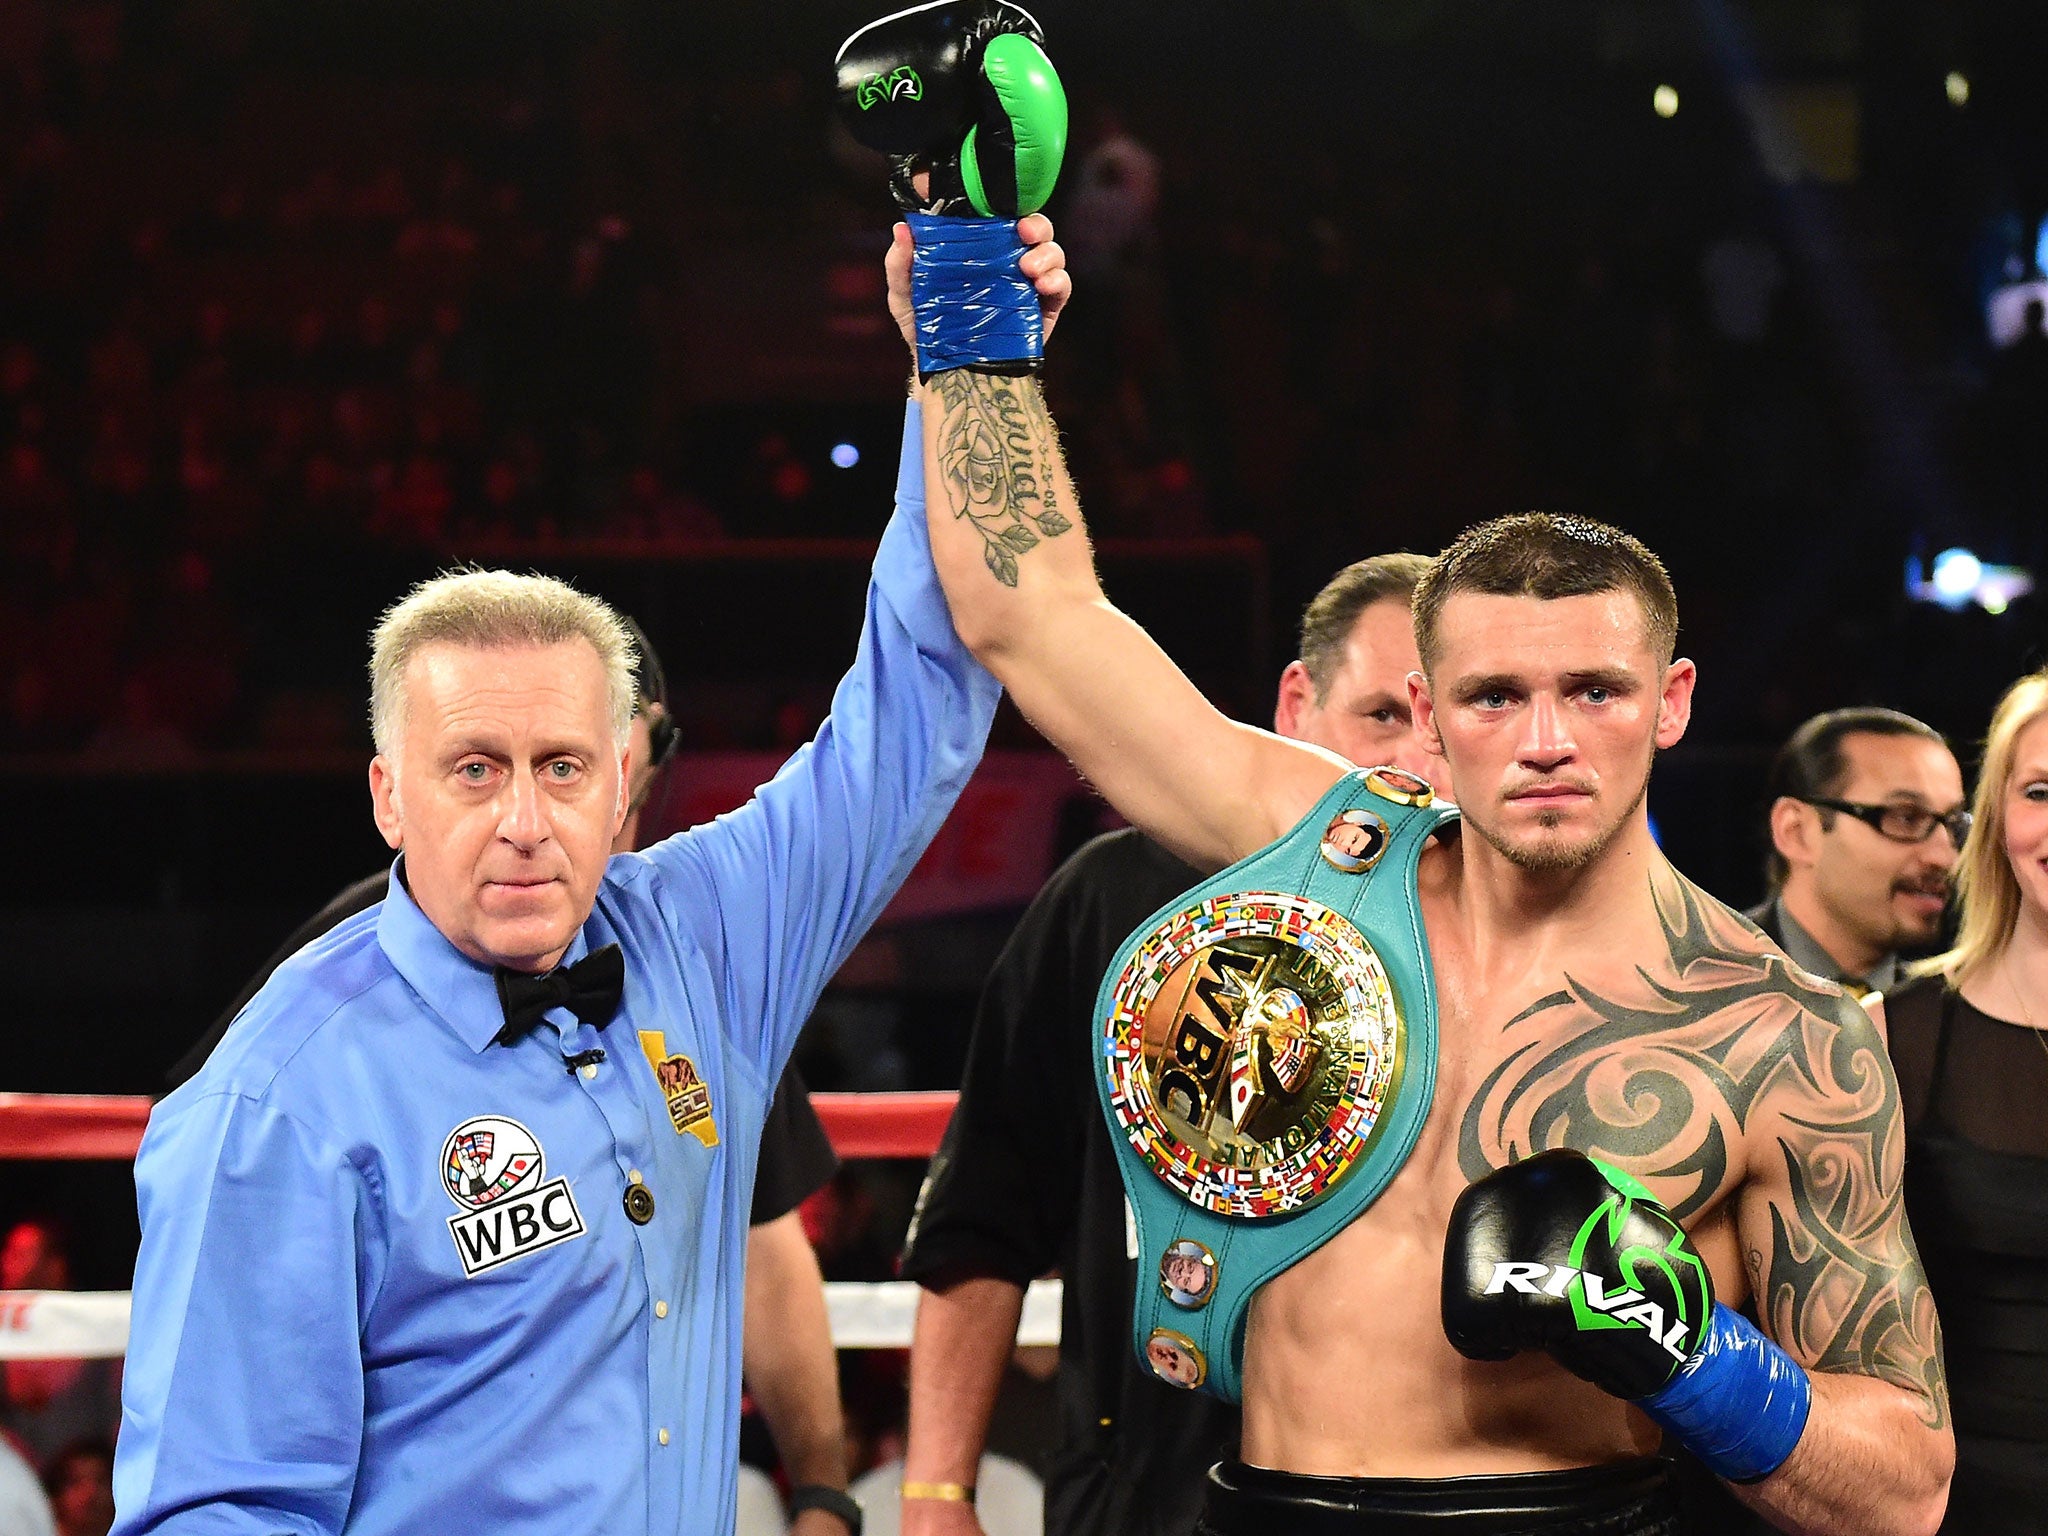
x=1327, y=622
x=484, y=610
x=1546, y=555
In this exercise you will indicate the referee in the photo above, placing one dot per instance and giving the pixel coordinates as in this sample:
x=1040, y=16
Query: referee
x=448, y=1232
x=790, y=1366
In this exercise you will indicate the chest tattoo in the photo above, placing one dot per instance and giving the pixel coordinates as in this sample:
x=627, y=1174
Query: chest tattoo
x=1715, y=1067
x=1665, y=1077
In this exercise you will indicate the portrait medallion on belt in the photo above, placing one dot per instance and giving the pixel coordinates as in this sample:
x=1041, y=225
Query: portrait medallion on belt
x=1251, y=1044
x=1354, y=841
x=1400, y=786
x=1176, y=1359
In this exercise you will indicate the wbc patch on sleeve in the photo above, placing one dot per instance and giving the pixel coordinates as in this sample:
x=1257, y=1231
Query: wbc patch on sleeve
x=492, y=1168
x=688, y=1097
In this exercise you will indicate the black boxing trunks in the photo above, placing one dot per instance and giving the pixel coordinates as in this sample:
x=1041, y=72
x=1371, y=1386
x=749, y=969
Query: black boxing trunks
x=1625, y=1498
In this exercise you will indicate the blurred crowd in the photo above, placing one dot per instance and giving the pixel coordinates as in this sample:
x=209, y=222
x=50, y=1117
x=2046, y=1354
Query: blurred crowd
x=296, y=307
x=253, y=319
x=277, y=295
x=58, y=1418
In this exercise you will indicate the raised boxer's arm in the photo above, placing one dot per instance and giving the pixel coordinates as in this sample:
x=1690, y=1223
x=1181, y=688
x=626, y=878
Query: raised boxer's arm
x=1839, y=1285
x=1012, y=553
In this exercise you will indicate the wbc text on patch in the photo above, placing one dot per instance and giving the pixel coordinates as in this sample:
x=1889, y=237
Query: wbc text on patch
x=511, y=1229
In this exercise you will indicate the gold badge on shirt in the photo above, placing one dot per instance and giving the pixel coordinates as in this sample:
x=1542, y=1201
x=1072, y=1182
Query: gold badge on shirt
x=689, y=1100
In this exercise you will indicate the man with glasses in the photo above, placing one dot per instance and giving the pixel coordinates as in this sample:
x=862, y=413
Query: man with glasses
x=1866, y=815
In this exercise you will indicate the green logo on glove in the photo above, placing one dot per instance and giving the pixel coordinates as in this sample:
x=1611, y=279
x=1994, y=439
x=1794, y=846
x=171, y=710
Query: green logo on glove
x=1594, y=1308
x=901, y=81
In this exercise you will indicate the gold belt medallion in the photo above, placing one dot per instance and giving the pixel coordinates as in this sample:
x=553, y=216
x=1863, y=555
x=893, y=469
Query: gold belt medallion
x=1252, y=1041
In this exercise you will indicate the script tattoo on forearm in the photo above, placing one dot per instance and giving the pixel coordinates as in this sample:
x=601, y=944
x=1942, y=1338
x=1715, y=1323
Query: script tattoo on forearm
x=996, y=452
x=1720, y=1036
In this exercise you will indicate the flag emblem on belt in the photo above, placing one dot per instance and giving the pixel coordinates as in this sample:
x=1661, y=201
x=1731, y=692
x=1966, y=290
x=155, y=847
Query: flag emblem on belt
x=1252, y=1043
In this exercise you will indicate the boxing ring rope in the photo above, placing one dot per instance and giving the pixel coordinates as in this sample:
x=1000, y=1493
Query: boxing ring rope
x=70, y=1127
x=94, y=1324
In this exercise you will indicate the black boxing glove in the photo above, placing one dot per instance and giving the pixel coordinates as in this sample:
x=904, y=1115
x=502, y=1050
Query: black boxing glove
x=1568, y=1255
x=962, y=90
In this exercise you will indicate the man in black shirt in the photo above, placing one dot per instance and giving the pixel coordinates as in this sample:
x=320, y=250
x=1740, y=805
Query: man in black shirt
x=1131, y=1452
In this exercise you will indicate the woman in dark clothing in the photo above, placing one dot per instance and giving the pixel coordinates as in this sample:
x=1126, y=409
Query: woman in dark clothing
x=1970, y=1039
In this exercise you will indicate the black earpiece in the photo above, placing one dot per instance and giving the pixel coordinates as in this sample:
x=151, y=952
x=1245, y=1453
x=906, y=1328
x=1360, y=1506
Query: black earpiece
x=650, y=692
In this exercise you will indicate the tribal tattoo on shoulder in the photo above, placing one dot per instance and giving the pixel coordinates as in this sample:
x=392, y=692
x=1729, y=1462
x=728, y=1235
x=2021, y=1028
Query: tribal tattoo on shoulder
x=1722, y=1055
x=996, y=451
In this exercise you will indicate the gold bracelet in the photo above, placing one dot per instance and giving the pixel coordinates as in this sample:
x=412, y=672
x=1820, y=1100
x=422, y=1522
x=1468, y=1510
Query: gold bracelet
x=945, y=1493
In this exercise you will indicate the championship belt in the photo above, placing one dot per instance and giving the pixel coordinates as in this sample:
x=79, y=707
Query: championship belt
x=1268, y=1058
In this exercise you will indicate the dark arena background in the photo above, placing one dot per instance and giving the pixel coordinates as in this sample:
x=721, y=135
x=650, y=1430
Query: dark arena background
x=300, y=303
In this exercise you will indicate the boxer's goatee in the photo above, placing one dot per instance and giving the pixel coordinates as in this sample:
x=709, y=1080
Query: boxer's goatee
x=1560, y=856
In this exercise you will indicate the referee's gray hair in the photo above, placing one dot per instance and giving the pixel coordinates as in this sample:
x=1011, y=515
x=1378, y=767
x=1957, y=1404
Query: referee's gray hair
x=485, y=610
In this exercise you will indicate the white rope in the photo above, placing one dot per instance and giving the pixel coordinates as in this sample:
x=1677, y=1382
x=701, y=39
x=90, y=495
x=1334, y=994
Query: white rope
x=63, y=1325
x=880, y=1316
x=91, y=1325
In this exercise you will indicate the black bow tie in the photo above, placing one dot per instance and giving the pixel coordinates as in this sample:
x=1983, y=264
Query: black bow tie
x=591, y=989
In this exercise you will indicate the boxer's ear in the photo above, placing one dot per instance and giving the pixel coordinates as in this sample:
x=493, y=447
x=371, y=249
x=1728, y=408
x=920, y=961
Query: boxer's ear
x=1674, y=704
x=1422, y=710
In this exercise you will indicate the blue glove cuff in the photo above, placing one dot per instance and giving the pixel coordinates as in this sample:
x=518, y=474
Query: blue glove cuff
x=974, y=304
x=1739, y=1403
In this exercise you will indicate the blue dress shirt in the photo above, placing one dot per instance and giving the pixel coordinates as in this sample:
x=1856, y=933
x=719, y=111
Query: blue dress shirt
x=388, y=1280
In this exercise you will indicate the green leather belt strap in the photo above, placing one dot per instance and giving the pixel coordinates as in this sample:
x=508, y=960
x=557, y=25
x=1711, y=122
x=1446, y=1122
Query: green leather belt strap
x=1268, y=1057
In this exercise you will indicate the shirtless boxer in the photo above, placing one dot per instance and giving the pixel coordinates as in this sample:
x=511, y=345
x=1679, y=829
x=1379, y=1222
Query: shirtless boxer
x=1590, y=997
x=1479, y=1341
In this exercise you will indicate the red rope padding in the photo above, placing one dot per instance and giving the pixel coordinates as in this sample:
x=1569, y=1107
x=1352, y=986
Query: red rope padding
x=885, y=1124
x=71, y=1125
x=84, y=1126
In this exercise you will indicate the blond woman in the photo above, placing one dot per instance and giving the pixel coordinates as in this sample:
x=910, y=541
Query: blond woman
x=1970, y=1039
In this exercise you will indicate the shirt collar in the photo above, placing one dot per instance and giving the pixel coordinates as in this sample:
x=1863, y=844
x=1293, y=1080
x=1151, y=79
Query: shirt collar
x=1806, y=952
x=462, y=992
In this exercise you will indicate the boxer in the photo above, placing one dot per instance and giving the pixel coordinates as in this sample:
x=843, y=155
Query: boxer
x=1491, y=1342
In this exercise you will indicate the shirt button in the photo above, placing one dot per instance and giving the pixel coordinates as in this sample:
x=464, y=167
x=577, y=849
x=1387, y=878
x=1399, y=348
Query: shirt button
x=639, y=1204
x=633, y=1176
x=662, y=1437
x=661, y=1309
x=590, y=1069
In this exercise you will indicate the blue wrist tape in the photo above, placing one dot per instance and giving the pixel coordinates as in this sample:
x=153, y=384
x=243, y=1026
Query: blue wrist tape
x=1739, y=1403
x=974, y=304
